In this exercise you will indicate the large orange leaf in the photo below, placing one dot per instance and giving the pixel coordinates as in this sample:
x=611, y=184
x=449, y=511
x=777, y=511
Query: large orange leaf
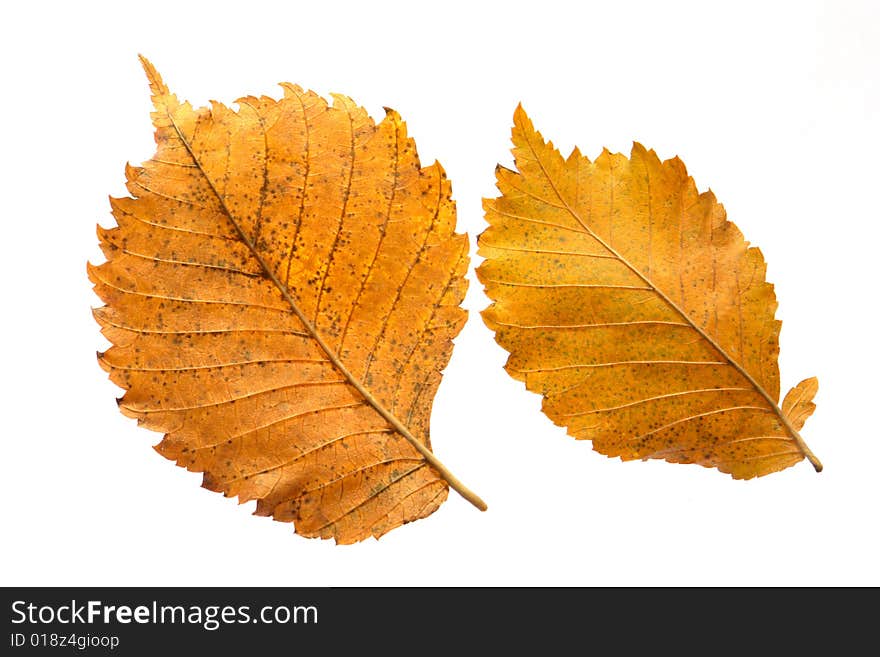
x=281, y=292
x=639, y=312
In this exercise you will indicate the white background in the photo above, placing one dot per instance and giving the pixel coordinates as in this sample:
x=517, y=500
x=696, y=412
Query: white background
x=772, y=104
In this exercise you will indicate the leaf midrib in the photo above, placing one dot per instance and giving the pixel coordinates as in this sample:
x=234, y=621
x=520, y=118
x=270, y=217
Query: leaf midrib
x=799, y=441
x=444, y=472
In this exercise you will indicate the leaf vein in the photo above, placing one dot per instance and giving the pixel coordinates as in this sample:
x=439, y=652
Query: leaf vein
x=300, y=384
x=697, y=416
x=286, y=418
x=577, y=285
x=395, y=481
x=596, y=325
x=621, y=362
x=205, y=265
x=652, y=398
x=548, y=251
x=301, y=455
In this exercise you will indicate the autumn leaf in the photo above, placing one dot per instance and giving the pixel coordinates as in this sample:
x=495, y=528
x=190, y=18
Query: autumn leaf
x=282, y=291
x=639, y=312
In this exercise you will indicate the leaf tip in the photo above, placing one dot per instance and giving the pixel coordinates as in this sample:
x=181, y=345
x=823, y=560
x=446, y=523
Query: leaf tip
x=677, y=163
x=709, y=195
x=291, y=90
x=102, y=362
x=92, y=271
x=520, y=118
x=638, y=148
x=130, y=172
x=157, y=86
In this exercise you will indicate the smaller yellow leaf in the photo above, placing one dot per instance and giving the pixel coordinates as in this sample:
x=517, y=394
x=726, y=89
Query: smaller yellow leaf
x=641, y=314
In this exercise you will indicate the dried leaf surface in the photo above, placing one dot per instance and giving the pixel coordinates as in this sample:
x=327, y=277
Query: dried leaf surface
x=630, y=302
x=281, y=291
